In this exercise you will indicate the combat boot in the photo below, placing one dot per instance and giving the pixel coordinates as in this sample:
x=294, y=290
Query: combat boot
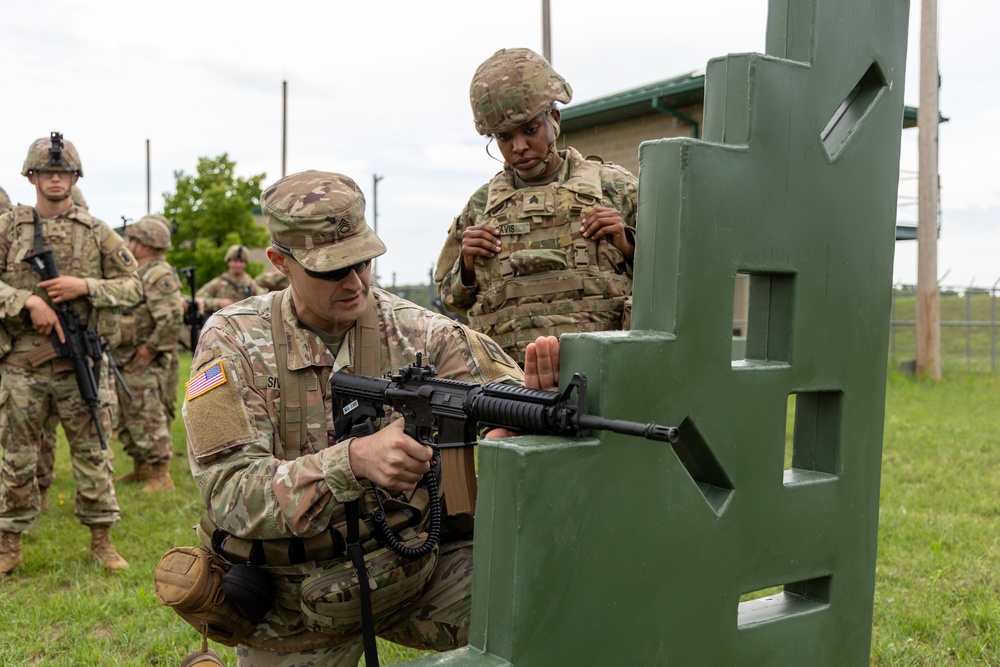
x=140, y=473
x=10, y=552
x=159, y=478
x=103, y=551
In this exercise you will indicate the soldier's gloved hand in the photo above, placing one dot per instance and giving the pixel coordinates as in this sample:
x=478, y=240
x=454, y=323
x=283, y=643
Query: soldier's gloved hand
x=390, y=458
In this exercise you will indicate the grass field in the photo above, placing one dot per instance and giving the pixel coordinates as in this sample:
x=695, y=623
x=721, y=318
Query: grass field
x=935, y=600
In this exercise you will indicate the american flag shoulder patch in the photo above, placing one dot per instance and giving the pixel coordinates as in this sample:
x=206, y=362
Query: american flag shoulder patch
x=208, y=379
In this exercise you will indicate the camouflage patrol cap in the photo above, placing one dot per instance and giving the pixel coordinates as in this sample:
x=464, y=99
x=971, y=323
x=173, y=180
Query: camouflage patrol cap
x=40, y=158
x=151, y=230
x=77, y=197
x=240, y=252
x=513, y=86
x=4, y=201
x=320, y=217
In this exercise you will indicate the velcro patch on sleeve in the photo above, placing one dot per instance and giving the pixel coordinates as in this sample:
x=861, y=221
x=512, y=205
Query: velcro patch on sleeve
x=492, y=360
x=215, y=414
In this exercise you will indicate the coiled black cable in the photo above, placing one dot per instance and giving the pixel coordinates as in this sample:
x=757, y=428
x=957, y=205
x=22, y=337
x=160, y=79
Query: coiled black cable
x=433, y=521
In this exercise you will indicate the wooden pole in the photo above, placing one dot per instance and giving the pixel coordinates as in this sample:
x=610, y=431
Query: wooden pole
x=546, y=32
x=928, y=293
x=284, y=125
x=149, y=196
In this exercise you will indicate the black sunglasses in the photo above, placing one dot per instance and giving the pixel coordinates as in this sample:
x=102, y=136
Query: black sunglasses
x=335, y=276
x=339, y=274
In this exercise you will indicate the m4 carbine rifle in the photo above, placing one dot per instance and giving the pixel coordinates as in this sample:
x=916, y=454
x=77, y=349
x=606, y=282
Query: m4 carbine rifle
x=192, y=316
x=447, y=414
x=83, y=347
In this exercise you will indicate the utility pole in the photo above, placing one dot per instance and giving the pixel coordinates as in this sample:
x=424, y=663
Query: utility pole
x=149, y=199
x=928, y=291
x=284, y=125
x=375, y=179
x=546, y=32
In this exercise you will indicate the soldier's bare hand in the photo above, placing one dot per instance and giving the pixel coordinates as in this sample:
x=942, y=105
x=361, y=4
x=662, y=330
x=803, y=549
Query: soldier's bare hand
x=541, y=364
x=390, y=458
x=602, y=221
x=65, y=288
x=43, y=319
x=479, y=241
x=143, y=355
x=225, y=302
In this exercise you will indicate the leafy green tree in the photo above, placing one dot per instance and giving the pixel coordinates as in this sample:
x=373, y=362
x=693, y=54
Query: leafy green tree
x=213, y=210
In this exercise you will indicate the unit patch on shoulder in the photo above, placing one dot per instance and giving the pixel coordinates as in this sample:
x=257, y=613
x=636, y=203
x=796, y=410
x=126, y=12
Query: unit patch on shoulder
x=205, y=381
x=123, y=258
x=492, y=360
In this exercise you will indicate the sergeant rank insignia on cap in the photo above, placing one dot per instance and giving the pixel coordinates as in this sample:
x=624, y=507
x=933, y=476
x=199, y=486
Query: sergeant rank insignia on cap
x=208, y=379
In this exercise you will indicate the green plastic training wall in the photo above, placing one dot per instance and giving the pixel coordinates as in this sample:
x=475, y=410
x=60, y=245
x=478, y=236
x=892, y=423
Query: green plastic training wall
x=617, y=550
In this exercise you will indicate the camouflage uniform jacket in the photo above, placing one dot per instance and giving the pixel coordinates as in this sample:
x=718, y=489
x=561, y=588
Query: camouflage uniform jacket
x=547, y=279
x=83, y=247
x=234, y=432
x=155, y=321
x=227, y=287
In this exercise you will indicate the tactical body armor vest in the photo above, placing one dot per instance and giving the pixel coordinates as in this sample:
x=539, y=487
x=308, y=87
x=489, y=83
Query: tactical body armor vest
x=77, y=245
x=548, y=279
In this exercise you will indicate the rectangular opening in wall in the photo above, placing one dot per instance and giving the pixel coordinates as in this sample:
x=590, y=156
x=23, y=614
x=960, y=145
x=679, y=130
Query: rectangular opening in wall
x=762, y=318
x=812, y=436
x=783, y=601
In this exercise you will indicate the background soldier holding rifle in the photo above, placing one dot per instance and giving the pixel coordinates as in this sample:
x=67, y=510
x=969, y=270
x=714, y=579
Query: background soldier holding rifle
x=148, y=357
x=41, y=370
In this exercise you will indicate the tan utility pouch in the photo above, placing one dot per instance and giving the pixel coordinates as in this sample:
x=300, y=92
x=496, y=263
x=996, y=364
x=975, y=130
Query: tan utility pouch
x=331, y=598
x=189, y=579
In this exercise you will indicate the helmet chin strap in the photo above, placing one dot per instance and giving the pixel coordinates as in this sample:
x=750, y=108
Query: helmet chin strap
x=543, y=166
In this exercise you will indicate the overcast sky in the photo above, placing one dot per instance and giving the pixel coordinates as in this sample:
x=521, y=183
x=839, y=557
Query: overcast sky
x=382, y=88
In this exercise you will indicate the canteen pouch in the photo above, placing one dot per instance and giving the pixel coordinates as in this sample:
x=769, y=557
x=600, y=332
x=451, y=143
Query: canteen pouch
x=189, y=579
x=331, y=598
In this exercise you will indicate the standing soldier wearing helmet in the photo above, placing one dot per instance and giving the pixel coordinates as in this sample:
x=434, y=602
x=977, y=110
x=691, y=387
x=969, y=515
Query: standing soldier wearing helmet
x=232, y=286
x=96, y=279
x=546, y=247
x=148, y=356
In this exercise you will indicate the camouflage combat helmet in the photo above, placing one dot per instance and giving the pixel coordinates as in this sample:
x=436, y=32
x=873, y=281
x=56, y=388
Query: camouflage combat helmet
x=4, y=201
x=513, y=86
x=240, y=252
x=151, y=230
x=44, y=156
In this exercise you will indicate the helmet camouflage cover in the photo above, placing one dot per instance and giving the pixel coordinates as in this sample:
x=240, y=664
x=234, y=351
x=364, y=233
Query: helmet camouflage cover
x=240, y=252
x=151, y=230
x=4, y=201
x=513, y=86
x=41, y=158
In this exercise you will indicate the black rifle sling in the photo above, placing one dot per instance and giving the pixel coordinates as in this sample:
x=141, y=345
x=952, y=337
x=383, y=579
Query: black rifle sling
x=366, y=361
x=38, y=245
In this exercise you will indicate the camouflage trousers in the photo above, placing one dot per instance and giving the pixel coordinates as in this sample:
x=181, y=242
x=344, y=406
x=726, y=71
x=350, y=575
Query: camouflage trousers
x=438, y=620
x=144, y=420
x=47, y=445
x=28, y=399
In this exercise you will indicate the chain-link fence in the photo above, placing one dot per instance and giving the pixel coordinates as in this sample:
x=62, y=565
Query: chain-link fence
x=969, y=328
